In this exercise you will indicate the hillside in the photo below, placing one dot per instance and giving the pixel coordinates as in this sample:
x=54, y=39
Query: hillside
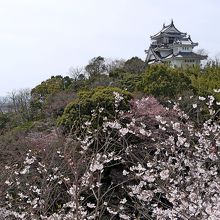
x=113, y=140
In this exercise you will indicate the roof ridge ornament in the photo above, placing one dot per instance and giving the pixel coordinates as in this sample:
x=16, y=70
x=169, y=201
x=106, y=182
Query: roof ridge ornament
x=172, y=22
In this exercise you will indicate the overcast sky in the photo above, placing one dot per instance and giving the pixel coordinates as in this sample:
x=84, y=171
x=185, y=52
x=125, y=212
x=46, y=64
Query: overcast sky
x=40, y=38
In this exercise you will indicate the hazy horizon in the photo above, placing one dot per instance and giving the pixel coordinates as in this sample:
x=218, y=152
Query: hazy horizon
x=44, y=38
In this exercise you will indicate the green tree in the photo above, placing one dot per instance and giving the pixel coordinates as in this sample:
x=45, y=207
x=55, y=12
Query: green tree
x=100, y=101
x=162, y=80
x=118, y=73
x=96, y=67
x=135, y=65
x=48, y=88
x=206, y=80
x=4, y=119
x=51, y=86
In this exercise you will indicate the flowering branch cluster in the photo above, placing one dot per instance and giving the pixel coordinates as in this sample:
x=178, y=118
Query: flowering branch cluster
x=149, y=163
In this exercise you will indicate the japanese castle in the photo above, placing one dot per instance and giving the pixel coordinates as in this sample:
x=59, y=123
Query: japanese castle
x=173, y=47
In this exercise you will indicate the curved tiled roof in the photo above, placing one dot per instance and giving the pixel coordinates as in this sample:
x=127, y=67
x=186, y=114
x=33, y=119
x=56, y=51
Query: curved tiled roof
x=186, y=55
x=169, y=29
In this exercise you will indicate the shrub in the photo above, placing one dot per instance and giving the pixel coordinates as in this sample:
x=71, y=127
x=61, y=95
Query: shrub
x=102, y=100
x=4, y=119
x=162, y=80
x=207, y=80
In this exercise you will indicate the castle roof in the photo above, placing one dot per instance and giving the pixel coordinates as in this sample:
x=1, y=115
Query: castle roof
x=185, y=41
x=168, y=30
x=186, y=55
x=153, y=55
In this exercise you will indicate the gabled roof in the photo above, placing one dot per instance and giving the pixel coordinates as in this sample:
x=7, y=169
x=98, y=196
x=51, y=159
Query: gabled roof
x=152, y=55
x=169, y=29
x=191, y=55
x=185, y=41
x=187, y=55
x=155, y=56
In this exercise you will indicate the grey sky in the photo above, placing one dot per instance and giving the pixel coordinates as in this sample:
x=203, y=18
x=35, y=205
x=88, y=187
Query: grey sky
x=40, y=38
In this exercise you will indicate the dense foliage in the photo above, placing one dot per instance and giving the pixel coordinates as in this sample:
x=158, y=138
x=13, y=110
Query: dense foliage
x=164, y=81
x=89, y=103
x=206, y=80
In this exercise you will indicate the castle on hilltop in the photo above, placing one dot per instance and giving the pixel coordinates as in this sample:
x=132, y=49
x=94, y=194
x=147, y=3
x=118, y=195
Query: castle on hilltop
x=173, y=47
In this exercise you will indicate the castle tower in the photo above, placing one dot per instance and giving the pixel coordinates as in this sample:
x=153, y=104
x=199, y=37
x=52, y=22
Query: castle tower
x=173, y=47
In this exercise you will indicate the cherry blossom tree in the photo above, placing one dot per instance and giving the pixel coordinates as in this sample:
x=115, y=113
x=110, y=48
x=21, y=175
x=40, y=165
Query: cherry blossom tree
x=151, y=162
